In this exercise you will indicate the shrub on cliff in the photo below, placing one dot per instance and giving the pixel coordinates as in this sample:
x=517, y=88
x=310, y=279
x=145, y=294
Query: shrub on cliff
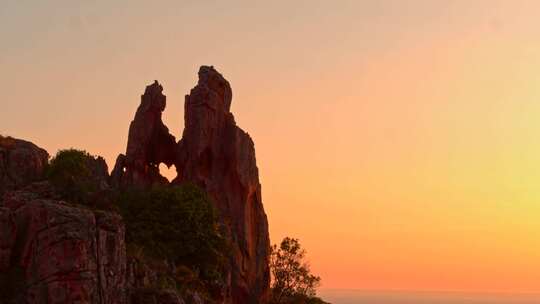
x=177, y=224
x=77, y=175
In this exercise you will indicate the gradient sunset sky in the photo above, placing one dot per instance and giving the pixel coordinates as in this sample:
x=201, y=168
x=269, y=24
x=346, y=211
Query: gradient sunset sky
x=399, y=140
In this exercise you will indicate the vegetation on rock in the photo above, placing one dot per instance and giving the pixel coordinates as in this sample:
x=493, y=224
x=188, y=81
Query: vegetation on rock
x=77, y=175
x=292, y=281
x=178, y=226
x=173, y=234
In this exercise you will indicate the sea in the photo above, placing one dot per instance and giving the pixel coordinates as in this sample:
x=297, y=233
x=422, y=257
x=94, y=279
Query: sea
x=338, y=296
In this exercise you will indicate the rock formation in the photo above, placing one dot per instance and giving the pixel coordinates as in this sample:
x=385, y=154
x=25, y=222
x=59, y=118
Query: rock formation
x=52, y=251
x=57, y=253
x=21, y=162
x=99, y=172
x=149, y=143
x=218, y=156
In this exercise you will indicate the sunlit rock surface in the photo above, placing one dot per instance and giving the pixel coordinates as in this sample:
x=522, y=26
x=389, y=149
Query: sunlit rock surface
x=217, y=155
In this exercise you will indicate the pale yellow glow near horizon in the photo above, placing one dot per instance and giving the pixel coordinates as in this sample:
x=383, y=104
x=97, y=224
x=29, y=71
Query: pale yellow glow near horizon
x=399, y=140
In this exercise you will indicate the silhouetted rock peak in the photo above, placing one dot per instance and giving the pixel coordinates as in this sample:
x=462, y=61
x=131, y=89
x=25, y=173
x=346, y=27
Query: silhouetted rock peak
x=149, y=143
x=212, y=82
x=219, y=157
x=153, y=98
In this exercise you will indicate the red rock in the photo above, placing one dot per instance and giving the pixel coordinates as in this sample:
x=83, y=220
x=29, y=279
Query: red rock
x=219, y=157
x=111, y=256
x=152, y=296
x=142, y=280
x=64, y=253
x=68, y=254
x=149, y=143
x=21, y=162
x=8, y=231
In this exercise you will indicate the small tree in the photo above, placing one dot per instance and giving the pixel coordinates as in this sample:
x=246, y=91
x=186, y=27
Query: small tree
x=291, y=276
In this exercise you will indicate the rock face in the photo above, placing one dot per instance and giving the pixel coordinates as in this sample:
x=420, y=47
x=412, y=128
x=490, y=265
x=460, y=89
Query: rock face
x=21, y=162
x=140, y=278
x=153, y=297
x=149, y=143
x=53, y=252
x=218, y=156
x=99, y=172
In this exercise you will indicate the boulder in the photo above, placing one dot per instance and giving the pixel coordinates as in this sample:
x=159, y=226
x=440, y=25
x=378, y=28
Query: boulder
x=21, y=162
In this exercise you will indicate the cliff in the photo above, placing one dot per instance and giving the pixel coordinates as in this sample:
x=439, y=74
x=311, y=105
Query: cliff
x=52, y=251
x=60, y=248
x=217, y=155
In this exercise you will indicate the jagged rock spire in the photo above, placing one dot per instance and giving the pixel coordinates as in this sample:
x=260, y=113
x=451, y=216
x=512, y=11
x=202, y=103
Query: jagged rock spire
x=215, y=154
x=149, y=143
x=218, y=156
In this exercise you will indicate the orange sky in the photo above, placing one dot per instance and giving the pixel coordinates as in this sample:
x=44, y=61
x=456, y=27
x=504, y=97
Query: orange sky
x=399, y=140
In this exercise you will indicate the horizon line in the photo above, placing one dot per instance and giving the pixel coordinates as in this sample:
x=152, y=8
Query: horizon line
x=436, y=291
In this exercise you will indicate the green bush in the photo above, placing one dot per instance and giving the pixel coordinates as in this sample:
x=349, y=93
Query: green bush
x=71, y=173
x=178, y=224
